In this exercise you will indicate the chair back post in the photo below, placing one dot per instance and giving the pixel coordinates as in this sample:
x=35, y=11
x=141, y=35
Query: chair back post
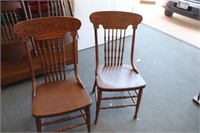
x=30, y=63
x=132, y=51
x=96, y=50
x=74, y=35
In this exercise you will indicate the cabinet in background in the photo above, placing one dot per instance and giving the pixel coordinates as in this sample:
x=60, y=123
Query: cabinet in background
x=14, y=66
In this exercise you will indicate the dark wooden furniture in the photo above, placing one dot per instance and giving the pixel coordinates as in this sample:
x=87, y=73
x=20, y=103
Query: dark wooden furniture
x=14, y=66
x=114, y=75
x=12, y=51
x=59, y=94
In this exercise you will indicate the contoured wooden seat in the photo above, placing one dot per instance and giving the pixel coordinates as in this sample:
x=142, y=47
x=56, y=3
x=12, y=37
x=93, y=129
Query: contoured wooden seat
x=59, y=94
x=114, y=75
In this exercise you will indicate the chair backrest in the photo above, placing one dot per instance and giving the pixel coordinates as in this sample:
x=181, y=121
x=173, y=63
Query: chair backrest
x=115, y=24
x=49, y=37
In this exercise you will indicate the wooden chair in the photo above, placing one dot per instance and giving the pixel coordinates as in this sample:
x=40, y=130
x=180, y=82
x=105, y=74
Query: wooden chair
x=59, y=94
x=114, y=75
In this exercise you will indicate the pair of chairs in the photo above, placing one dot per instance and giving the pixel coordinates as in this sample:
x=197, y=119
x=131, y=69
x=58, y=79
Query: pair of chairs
x=60, y=94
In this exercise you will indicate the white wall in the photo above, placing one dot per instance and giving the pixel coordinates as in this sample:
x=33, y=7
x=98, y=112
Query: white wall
x=82, y=10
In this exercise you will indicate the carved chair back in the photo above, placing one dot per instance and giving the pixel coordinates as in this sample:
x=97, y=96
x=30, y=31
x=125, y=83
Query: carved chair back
x=115, y=25
x=49, y=37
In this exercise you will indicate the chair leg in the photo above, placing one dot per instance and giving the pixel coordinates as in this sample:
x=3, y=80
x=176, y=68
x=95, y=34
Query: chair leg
x=39, y=124
x=98, y=104
x=87, y=110
x=138, y=103
x=95, y=83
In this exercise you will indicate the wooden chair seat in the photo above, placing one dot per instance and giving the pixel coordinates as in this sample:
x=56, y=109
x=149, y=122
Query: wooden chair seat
x=51, y=98
x=118, y=78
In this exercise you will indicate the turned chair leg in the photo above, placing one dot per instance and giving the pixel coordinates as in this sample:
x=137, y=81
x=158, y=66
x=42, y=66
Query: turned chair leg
x=39, y=124
x=98, y=104
x=138, y=103
x=87, y=110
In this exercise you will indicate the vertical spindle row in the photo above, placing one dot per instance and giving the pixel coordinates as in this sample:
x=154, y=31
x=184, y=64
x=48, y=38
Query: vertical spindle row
x=52, y=56
x=114, y=46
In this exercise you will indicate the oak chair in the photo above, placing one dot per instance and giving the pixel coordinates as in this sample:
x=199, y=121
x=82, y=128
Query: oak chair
x=114, y=75
x=59, y=93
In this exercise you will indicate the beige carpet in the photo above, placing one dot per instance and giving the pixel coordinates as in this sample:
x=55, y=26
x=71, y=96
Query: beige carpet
x=180, y=27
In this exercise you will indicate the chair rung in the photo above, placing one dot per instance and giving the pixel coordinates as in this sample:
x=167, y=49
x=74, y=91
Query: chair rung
x=70, y=127
x=118, y=106
x=117, y=97
x=61, y=120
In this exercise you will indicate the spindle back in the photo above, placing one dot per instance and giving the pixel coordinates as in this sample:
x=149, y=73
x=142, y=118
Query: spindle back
x=115, y=24
x=49, y=37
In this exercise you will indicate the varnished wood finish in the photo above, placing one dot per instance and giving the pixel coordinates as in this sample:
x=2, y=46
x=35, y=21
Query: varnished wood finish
x=114, y=75
x=58, y=94
x=12, y=47
x=14, y=64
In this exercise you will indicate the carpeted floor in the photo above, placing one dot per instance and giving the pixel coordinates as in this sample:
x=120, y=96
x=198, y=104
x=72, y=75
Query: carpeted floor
x=171, y=69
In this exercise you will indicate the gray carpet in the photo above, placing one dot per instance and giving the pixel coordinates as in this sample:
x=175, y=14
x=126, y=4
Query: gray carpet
x=169, y=66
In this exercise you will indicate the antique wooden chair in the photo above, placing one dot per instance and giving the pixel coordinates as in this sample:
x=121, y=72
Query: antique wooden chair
x=114, y=75
x=60, y=93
